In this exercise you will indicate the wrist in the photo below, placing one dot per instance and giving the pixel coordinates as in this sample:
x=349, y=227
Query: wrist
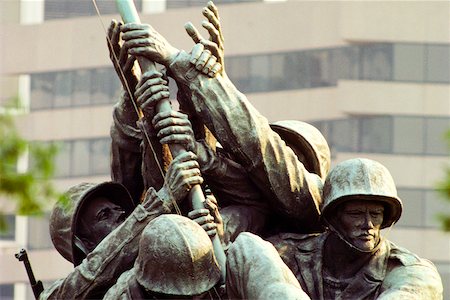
x=165, y=196
x=172, y=53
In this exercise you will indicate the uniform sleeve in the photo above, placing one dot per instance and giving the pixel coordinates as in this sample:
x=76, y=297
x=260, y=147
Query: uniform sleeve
x=418, y=281
x=256, y=271
x=114, y=255
x=126, y=157
x=244, y=132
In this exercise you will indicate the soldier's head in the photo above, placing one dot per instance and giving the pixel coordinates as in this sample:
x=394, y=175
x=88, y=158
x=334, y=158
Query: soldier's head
x=90, y=214
x=308, y=144
x=176, y=259
x=360, y=199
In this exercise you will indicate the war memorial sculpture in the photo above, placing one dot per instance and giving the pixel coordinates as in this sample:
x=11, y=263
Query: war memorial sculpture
x=275, y=223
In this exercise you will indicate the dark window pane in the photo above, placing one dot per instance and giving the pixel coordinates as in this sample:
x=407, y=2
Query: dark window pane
x=100, y=156
x=278, y=80
x=57, y=9
x=80, y=158
x=320, y=68
x=438, y=63
x=435, y=141
x=63, y=89
x=81, y=87
x=409, y=61
x=408, y=137
x=346, y=62
x=344, y=135
x=238, y=69
x=7, y=291
x=435, y=206
x=103, y=86
x=62, y=160
x=376, y=62
x=10, y=233
x=413, y=207
x=297, y=68
x=376, y=134
x=259, y=73
x=38, y=233
x=42, y=90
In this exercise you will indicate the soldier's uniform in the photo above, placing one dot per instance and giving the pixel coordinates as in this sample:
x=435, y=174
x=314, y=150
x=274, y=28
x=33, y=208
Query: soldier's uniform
x=292, y=191
x=389, y=271
x=94, y=274
x=175, y=259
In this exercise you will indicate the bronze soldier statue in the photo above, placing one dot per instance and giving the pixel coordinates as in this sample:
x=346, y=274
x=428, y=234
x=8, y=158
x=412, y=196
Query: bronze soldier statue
x=175, y=261
x=98, y=230
x=351, y=259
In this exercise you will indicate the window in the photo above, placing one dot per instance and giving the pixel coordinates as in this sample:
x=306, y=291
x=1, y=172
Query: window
x=83, y=157
x=376, y=134
x=38, y=233
x=434, y=207
x=10, y=228
x=409, y=62
x=376, y=62
x=413, y=207
x=438, y=63
x=99, y=156
x=408, y=136
x=63, y=89
x=435, y=141
x=344, y=135
x=7, y=291
x=259, y=73
x=42, y=90
x=57, y=9
x=81, y=87
x=80, y=158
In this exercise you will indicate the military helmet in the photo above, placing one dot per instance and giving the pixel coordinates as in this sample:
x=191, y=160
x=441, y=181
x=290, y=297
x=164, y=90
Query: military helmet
x=64, y=216
x=176, y=257
x=362, y=179
x=306, y=139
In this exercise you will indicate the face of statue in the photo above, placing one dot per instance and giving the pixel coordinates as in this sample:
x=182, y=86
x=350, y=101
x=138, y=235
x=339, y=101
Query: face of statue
x=99, y=216
x=359, y=222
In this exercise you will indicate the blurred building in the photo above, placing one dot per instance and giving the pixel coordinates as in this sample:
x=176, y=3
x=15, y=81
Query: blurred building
x=372, y=76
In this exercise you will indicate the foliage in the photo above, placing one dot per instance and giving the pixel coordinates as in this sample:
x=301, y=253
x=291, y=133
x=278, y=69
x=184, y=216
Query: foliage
x=444, y=188
x=31, y=189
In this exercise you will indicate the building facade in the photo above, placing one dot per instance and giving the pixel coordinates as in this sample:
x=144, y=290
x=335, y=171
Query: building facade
x=373, y=76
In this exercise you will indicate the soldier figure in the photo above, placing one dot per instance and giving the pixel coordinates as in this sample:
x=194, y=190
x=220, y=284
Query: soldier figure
x=175, y=261
x=350, y=260
x=98, y=230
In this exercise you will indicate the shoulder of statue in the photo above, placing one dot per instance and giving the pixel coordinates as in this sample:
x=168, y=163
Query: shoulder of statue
x=403, y=255
x=296, y=239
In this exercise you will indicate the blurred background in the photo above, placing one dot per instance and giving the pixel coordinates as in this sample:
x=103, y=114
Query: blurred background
x=373, y=76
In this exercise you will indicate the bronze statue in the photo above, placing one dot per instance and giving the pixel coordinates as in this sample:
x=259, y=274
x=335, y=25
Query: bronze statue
x=350, y=260
x=99, y=229
x=175, y=261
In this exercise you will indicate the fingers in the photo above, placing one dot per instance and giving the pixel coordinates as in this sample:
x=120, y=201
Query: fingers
x=130, y=27
x=209, y=65
x=203, y=218
x=204, y=57
x=151, y=89
x=196, y=52
x=211, y=201
x=198, y=213
x=211, y=46
x=193, y=32
x=168, y=118
x=185, y=157
x=215, y=69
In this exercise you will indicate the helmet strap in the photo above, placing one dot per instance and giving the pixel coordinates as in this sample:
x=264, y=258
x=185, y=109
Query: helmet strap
x=80, y=245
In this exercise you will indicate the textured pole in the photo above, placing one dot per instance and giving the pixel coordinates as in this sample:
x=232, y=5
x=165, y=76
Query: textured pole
x=129, y=14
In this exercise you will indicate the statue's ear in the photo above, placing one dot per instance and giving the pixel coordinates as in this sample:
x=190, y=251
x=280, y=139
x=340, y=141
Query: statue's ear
x=83, y=244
